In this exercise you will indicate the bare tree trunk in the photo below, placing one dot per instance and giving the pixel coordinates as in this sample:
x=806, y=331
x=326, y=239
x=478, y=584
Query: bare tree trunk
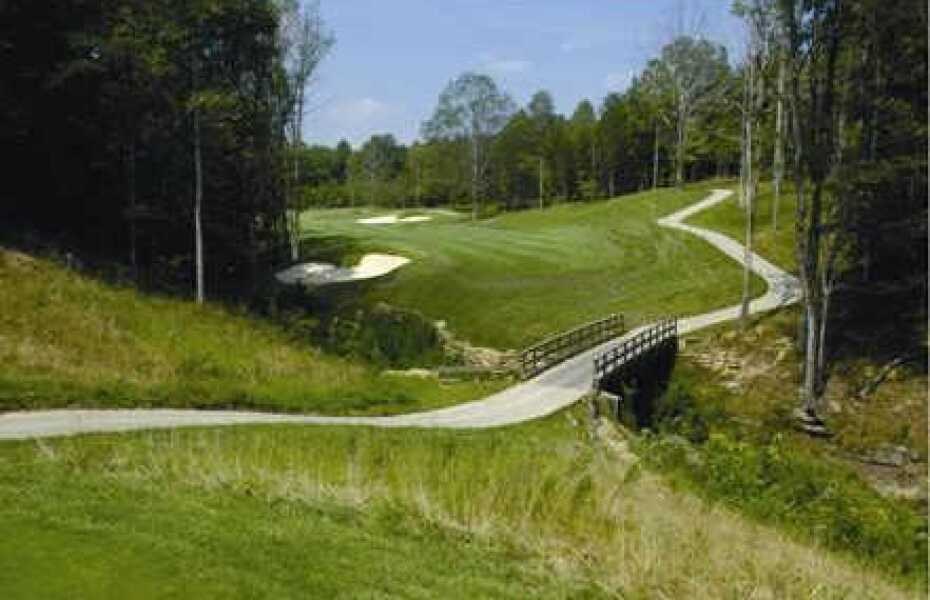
x=826, y=291
x=540, y=183
x=474, y=177
x=680, y=149
x=741, y=196
x=593, y=159
x=132, y=209
x=655, y=158
x=811, y=353
x=416, y=190
x=198, y=188
x=298, y=139
x=748, y=198
x=198, y=208
x=778, y=165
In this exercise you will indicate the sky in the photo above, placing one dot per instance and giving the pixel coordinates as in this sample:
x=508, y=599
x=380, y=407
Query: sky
x=392, y=58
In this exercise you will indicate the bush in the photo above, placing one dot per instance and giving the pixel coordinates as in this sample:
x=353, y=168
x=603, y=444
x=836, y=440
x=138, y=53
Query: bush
x=816, y=499
x=384, y=335
x=678, y=411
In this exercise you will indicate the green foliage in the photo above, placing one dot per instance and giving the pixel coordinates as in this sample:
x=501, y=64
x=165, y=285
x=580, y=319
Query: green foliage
x=384, y=335
x=679, y=412
x=814, y=499
x=107, y=96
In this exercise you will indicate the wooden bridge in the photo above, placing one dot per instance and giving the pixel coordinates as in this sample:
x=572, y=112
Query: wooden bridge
x=551, y=351
x=614, y=364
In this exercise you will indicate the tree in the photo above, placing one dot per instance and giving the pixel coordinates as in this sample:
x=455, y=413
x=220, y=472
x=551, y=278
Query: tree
x=541, y=112
x=382, y=160
x=689, y=72
x=759, y=18
x=813, y=50
x=473, y=109
x=584, y=140
x=516, y=160
x=778, y=160
x=305, y=44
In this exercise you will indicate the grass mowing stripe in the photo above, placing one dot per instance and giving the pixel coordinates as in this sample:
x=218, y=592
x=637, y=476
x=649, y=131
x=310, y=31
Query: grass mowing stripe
x=512, y=280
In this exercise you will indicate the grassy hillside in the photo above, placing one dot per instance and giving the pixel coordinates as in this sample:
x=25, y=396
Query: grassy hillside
x=539, y=510
x=66, y=340
x=777, y=245
x=516, y=278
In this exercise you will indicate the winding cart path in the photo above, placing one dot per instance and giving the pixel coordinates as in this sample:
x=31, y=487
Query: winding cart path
x=542, y=395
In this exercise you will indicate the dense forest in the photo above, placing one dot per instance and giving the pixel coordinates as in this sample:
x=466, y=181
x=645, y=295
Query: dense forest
x=157, y=134
x=529, y=156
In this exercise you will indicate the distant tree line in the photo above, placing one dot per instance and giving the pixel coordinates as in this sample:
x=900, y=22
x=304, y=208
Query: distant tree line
x=159, y=133
x=672, y=124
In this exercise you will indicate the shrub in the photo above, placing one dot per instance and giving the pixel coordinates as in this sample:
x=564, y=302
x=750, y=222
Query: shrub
x=384, y=335
x=814, y=498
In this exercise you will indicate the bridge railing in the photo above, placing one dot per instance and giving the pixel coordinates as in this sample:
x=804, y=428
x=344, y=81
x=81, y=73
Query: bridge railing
x=605, y=363
x=539, y=357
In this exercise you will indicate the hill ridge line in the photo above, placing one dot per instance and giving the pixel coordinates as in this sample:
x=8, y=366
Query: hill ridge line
x=548, y=392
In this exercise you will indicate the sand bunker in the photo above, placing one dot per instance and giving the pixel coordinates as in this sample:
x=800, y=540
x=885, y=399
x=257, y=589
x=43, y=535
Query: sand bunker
x=392, y=219
x=316, y=274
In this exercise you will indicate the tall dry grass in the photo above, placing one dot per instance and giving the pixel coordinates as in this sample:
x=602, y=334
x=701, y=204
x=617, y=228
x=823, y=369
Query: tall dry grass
x=67, y=340
x=560, y=499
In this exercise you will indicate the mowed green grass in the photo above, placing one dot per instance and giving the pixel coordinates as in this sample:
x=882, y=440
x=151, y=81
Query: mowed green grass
x=542, y=510
x=70, y=341
x=512, y=280
x=68, y=534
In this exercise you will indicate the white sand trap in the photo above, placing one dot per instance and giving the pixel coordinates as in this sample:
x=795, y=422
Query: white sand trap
x=392, y=219
x=316, y=274
x=446, y=212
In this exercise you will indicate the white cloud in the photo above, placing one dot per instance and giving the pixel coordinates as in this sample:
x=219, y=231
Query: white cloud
x=357, y=112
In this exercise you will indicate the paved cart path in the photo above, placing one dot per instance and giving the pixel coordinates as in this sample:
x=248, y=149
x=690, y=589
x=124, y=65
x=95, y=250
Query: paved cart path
x=542, y=395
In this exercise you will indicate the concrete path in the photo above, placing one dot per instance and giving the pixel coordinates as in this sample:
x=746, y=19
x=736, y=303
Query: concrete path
x=546, y=393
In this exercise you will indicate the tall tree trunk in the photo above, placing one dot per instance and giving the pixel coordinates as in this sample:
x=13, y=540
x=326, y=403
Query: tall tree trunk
x=826, y=291
x=680, y=150
x=540, y=183
x=778, y=164
x=295, y=190
x=593, y=160
x=198, y=208
x=474, y=177
x=198, y=189
x=811, y=338
x=741, y=195
x=749, y=182
x=133, y=261
x=655, y=157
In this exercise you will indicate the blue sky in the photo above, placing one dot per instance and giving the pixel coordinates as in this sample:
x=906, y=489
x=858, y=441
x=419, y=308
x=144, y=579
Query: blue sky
x=393, y=57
